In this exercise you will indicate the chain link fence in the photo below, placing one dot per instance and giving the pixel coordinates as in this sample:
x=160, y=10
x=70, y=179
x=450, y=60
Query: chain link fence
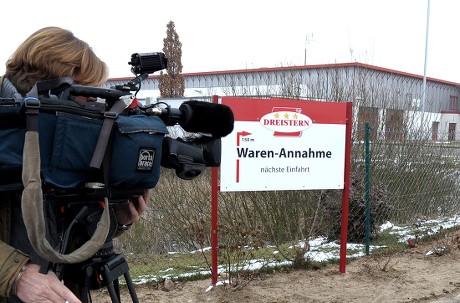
x=412, y=176
x=410, y=180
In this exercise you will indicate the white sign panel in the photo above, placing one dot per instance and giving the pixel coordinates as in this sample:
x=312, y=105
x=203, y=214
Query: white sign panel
x=280, y=144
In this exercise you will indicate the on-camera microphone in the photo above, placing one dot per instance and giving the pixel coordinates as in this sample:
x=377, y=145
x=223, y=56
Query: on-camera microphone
x=206, y=117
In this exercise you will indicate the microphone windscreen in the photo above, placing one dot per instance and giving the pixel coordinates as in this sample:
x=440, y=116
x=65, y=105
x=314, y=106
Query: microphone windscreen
x=206, y=117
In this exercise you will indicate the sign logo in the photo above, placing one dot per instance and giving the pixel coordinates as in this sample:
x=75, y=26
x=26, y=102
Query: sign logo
x=146, y=159
x=286, y=121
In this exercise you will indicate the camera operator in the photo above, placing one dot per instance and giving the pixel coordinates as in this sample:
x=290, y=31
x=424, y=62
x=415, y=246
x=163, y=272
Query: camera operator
x=49, y=53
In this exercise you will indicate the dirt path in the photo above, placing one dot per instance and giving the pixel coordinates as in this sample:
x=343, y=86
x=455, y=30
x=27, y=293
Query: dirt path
x=407, y=276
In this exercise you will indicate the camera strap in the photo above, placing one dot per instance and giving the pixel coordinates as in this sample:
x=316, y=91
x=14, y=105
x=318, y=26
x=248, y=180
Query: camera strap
x=32, y=200
x=106, y=130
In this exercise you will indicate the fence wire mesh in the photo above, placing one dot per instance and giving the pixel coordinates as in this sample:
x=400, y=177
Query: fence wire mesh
x=413, y=176
x=411, y=179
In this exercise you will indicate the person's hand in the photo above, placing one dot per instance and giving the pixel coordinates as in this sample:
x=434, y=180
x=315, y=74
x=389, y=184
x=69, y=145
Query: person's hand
x=128, y=213
x=36, y=287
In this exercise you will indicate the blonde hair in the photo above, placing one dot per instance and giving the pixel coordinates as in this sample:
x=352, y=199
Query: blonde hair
x=53, y=52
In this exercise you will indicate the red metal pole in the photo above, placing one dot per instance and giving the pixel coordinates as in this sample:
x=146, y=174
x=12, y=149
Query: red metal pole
x=214, y=216
x=214, y=223
x=346, y=190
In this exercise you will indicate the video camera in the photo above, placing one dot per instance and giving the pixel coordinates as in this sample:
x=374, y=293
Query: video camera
x=137, y=129
x=209, y=122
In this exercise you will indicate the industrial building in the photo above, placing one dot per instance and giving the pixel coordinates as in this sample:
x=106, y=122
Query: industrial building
x=393, y=102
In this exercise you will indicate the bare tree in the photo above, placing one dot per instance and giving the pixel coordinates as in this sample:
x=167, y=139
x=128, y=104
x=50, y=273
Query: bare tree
x=172, y=84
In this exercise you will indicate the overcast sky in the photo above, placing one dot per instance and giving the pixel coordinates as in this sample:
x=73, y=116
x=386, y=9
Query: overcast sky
x=222, y=35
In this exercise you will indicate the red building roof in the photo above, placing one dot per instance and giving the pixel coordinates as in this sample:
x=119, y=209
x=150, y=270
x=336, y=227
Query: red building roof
x=315, y=66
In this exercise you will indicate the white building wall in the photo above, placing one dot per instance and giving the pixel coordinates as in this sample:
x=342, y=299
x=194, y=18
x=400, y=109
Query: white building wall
x=372, y=86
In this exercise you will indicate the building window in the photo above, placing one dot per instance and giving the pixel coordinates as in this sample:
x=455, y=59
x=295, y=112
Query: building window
x=371, y=115
x=451, y=135
x=453, y=103
x=434, y=131
x=394, y=125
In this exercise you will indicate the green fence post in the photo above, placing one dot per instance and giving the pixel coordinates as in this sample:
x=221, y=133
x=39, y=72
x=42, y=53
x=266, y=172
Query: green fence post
x=367, y=186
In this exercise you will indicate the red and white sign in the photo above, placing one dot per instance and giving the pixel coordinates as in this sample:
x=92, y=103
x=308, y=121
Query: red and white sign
x=283, y=144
